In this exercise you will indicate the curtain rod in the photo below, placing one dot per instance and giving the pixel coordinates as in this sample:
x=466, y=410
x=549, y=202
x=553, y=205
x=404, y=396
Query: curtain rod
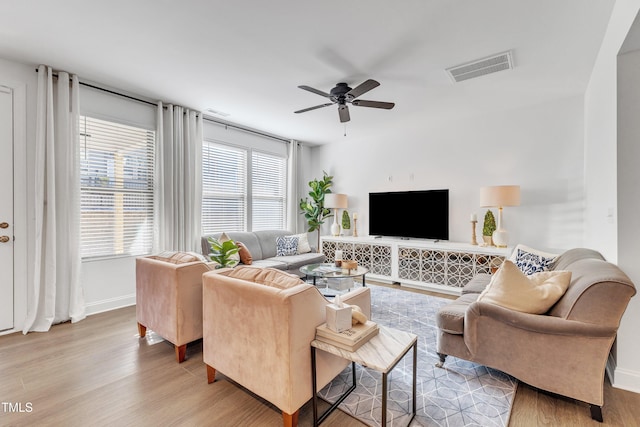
x=209, y=119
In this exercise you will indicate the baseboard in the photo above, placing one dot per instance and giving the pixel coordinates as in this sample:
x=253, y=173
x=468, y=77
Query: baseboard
x=624, y=379
x=110, y=304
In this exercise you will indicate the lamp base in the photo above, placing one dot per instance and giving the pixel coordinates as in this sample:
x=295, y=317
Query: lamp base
x=335, y=229
x=500, y=238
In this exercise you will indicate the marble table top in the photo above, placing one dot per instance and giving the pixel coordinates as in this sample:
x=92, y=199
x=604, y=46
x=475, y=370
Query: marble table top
x=380, y=353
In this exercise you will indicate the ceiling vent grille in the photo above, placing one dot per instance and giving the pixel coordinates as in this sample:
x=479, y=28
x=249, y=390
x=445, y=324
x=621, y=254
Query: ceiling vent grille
x=481, y=67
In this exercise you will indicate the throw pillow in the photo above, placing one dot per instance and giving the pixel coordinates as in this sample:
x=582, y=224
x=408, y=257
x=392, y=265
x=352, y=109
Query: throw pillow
x=223, y=238
x=535, y=293
x=303, y=243
x=286, y=245
x=531, y=260
x=245, y=255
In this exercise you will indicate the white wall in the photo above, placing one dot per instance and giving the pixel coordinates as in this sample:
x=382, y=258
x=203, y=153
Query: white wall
x=607, y=178
x=538, y=147
x=627, y=373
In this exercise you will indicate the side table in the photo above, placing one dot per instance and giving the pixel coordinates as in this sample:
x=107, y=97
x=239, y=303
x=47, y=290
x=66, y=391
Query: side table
x=381, y=353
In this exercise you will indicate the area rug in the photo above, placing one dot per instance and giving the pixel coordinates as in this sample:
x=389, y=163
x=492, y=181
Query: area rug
x=460, y=394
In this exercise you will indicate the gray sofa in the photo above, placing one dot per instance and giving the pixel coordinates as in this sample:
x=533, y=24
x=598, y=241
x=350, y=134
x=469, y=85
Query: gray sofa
x=563, y=351
x=262, y=246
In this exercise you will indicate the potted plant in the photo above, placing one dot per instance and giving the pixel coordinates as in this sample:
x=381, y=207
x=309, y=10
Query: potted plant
x=313, y=207
x=222, y=252
x=488, y=228
x=346, y=222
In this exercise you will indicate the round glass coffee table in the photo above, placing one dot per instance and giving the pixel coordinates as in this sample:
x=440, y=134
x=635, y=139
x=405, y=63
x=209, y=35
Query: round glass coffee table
x=331, y=280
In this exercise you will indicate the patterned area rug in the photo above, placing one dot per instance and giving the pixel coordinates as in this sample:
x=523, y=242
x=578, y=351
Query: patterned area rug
x=460, y=394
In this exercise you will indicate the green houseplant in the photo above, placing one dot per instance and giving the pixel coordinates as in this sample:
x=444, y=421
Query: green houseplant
x=313, y=206
x=346, y=221
x=221, y=252
x=488, y=228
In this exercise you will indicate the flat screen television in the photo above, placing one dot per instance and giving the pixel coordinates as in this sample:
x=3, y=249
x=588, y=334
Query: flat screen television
x=410, y=214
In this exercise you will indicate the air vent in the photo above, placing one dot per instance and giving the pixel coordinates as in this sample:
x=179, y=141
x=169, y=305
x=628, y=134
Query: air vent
x=481, y=67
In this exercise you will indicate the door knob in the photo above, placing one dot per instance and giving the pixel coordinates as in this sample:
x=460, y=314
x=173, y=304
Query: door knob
x=4, y=239
x=4, y=225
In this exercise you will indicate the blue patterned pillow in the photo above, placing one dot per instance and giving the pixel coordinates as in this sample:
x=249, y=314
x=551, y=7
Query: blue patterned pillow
x=530, y=263
x=286, y=245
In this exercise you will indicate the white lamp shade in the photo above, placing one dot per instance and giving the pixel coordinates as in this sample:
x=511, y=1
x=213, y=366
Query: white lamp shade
x=335, y=201
x=500, y=196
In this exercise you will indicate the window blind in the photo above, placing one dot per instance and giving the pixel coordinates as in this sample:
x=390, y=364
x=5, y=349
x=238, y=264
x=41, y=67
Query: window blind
x=116, y=185
x=269, y=189
x=224, y=188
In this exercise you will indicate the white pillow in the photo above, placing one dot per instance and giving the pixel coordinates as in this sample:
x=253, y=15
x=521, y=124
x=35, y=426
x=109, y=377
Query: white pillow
x=223, y=238
x=535, y=294
x=303, y=243
x=531, y=260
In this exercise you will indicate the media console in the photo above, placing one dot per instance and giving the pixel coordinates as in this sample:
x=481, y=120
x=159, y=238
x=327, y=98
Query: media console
x=441, y=266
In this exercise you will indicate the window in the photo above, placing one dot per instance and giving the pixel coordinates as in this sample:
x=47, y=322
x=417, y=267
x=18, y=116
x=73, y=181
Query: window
x=224, y=188
x=269, y=189
x=116, y=188
x=239, y=189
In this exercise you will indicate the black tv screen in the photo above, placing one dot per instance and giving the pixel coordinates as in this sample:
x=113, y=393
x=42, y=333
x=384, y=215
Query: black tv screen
x=418, y=214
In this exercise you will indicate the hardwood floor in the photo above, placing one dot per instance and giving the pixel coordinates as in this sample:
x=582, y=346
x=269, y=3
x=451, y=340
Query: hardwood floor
x=98, y=372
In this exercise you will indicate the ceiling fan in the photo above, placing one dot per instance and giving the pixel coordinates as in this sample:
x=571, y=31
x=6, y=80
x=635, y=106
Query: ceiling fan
x=342, y=95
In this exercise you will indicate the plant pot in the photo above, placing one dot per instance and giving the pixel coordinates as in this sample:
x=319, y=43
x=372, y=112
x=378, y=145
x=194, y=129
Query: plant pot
x=488, y=240
x=346, y=232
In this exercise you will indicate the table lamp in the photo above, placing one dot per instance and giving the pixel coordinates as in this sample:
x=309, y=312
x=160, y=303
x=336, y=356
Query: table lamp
x=335, y=201
x=498, y=197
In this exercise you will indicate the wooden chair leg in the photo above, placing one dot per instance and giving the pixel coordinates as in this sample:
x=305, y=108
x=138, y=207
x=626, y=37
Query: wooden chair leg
x=442, y=357
x=596, y=413
x=290, y=420
x=211, y=374
x=181, y=352
x=142, y=330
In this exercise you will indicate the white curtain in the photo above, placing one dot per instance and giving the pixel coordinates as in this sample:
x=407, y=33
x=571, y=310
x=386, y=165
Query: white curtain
x=178, y=179
x=55, y=295
x=293, y=185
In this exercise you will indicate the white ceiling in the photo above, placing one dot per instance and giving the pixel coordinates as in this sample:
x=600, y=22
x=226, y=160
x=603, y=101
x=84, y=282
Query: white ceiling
x=246, y=58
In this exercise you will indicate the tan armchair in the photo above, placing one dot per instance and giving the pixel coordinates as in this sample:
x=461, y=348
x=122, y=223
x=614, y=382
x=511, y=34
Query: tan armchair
x=563, y=351
x=257, y=331
x=169, y=297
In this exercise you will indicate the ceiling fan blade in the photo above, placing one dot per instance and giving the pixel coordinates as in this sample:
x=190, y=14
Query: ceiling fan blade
x=363, y=88
x=373, y=104
x=316, y=91
x=343, y=111
x=313, y=108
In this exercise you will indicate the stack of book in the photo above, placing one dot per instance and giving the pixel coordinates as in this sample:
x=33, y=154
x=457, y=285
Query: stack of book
x=350, y=339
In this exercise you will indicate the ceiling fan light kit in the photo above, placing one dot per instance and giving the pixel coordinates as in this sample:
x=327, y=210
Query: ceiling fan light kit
x=342, y=95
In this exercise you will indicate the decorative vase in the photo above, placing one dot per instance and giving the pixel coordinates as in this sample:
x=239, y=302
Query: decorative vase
x=488, y=240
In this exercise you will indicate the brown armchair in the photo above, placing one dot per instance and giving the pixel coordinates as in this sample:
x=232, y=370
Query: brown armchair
x=169, y=297
x=258, y=327
x=563, y=351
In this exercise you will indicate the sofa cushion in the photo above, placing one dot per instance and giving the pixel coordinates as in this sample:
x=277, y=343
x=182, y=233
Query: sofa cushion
x=286, y=245
x=477, y=284
x=266, y=276
x=531, y=260
x=450, y=317
x=249, y=239
x=267, y=241
x=535, y=293
x=294, y=262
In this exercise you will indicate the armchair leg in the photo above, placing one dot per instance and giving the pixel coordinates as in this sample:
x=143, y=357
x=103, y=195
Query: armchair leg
x=181, y=352
x=442, y=357
x=290, y=420
x=142, y=330
x=211, y=374
x=596, y=413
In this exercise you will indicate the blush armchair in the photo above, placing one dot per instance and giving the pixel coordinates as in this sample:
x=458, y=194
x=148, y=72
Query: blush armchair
x=257, y=330
x=169, y=297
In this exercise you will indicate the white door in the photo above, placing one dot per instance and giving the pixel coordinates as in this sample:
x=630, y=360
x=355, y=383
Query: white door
x=6, y=208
